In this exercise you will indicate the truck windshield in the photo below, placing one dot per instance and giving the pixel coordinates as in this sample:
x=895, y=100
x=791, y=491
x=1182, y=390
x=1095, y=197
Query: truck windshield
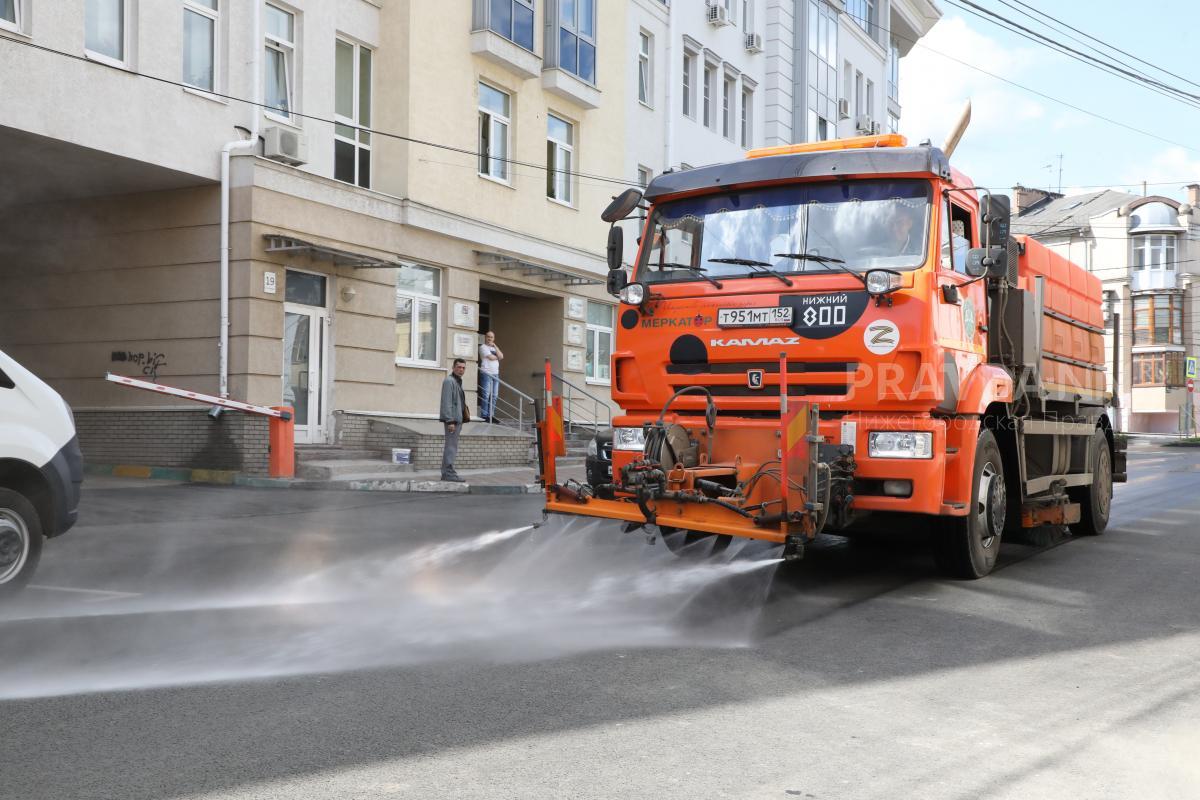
x=865, y=224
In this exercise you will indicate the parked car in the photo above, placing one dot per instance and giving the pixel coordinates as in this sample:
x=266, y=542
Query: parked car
x=598, y=461
x=41, y=471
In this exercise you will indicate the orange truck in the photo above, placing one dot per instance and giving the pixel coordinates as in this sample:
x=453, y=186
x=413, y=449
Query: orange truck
x=824, y=337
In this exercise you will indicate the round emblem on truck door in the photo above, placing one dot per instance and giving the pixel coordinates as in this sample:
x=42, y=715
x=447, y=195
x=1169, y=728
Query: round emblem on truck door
x=881, y=337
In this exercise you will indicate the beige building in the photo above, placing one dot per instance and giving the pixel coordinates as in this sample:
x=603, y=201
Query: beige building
x=1145, y=251
x=368, y=241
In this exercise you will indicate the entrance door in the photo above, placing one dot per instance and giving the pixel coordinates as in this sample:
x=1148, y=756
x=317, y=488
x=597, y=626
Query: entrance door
x=304, y=348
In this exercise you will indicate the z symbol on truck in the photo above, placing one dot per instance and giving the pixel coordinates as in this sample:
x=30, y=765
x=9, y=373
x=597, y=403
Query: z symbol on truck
x=881, y=337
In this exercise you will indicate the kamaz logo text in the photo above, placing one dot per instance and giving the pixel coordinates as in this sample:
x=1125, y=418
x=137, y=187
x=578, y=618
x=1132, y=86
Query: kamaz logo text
x=761, y=341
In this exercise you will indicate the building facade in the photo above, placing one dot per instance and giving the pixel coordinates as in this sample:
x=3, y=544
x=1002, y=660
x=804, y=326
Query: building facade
x=1146, y=251
x=369, y=242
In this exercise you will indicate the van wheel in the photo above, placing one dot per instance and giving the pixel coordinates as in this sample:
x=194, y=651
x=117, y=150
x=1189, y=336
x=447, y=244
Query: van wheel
x=966, y=547
x=1095, y=501
x=20, y=541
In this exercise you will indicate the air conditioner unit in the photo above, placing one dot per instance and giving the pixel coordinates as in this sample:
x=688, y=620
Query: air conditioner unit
x=285, y=145
x=844, y=108
x=862, y=123
x=754, y=43
x=718, y=15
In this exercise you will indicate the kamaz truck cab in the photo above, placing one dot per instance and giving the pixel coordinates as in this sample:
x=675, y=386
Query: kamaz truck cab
x=829, y=331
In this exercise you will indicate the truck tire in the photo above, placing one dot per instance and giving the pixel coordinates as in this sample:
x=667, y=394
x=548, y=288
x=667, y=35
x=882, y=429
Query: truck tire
x=20, y=541
x=966, y=547
x=1095, y=500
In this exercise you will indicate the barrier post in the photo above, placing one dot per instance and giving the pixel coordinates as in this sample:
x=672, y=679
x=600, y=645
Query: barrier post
x=281, y=462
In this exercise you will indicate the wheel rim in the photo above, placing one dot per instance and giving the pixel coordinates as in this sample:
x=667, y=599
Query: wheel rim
x=991, y=505
x=1103, y=482
x=14, y=544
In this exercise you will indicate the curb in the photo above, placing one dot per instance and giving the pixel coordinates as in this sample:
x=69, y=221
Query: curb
x=230, y=478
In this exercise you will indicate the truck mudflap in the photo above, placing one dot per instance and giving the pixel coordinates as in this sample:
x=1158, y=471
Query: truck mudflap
x=1119, y=465
x=780, y=494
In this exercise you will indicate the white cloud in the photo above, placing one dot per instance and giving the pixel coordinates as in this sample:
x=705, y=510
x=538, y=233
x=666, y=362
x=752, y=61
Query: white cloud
x=1166, y=173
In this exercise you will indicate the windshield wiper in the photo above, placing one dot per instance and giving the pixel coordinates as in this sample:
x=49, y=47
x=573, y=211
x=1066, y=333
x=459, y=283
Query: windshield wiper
x=697, y=270
x=824, y=261
x=763, y=267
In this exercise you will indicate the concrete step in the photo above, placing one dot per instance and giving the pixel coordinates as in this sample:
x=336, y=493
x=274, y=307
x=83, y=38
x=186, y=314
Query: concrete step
x=339, y=468
x=311, y=453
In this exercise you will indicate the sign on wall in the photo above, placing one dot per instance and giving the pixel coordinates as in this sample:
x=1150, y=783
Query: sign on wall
x=269, y=282
x=1191, y=366
x=576, y=307
x=464, y=345
x=574, y=333
x=575, y=360
x=464, y=315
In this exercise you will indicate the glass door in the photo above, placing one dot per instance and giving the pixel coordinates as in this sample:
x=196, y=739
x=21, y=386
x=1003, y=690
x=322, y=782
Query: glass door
x=304, y=349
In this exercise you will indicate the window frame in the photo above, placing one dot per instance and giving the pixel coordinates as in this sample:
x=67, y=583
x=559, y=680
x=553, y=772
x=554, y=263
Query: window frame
x=576, y=29
x=747, y=121
x=195, y=7
x=15, y=25
x=360, y=128
x=554, y=171
x=688, y=77
x=494, y=119
x=289, y=50
x=94, y=55
x=728, y=105
x=1145, y=368
x=592, y=339
x=414, y=333
x=645, y=69
x=893, y=70
x=1145, y=244
x=1146, y=335
x=708, y=118
x=485, y=10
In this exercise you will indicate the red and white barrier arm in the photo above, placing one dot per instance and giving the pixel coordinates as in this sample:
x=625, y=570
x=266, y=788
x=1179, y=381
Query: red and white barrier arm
x=197, y=396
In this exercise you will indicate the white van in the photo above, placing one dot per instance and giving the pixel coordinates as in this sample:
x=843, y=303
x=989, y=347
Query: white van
x=41, y=470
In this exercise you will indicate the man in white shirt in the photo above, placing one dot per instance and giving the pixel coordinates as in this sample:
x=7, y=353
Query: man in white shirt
x=490, y=357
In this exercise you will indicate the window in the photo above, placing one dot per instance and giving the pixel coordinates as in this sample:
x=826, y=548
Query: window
x=858, y=94
x=1153, y=252
x=10, y=15
x=280, y=60
x=821, y=74
x=104, y=28
x=577, y=38
x=644, y=175
x=869, y=103
x=747, y=16
x=728, y=107
x=689, y=67
x=512, y=19
x=559, y=152
x=747, y=114
x=493, y=132
x=1158, y=369
x=645, y=44
x=862, y=12
x=709, y=76
x=599, y=341
x=418, y=297
x=893, y=123
x=199, y=43
x=894, y=71
x=352, y=113
x=958, y=238
x=1157, y=319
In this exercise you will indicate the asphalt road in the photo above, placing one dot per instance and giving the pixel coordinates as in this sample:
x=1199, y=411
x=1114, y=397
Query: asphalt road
x=199, y=642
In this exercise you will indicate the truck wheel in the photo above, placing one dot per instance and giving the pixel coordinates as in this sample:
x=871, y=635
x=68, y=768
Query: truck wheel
x=20, y=541
x=1095, y=501
x=966, y=547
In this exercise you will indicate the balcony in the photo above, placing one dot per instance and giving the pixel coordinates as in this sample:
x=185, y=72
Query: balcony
x=495, y=48
x=1143, y=280
x=567, y=85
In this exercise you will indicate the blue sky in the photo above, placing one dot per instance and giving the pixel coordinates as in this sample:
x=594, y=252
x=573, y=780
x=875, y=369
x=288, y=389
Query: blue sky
x=1014, y=134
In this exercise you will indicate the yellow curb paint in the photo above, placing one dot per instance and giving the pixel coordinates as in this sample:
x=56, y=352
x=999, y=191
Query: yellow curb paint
x=130, y=471
x=212, y=476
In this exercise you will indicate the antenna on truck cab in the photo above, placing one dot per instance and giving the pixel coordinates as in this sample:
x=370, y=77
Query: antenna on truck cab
x=959, y=129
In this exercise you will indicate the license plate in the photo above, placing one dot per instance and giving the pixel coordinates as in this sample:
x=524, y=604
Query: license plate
x=754, y=317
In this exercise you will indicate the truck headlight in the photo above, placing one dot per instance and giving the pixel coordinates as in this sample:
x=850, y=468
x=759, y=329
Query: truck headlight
x=882, y=281
x=633, y=294
x=629, y=439
x=896, y=444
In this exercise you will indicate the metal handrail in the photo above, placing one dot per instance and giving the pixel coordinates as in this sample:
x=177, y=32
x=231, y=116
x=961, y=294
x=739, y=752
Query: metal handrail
x=513, y=410
x=570, y=402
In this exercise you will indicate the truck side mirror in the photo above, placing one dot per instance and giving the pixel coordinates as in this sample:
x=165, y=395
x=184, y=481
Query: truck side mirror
x=992, y=261
x=617, y=280
x=616, y=247
x=622, y=205
x=993, y=225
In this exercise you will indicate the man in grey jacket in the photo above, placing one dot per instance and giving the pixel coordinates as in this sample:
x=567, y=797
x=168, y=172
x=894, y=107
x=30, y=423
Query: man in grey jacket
x=453, y=413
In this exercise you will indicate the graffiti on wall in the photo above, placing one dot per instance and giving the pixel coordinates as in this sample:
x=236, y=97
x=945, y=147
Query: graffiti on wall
x=149, y=362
